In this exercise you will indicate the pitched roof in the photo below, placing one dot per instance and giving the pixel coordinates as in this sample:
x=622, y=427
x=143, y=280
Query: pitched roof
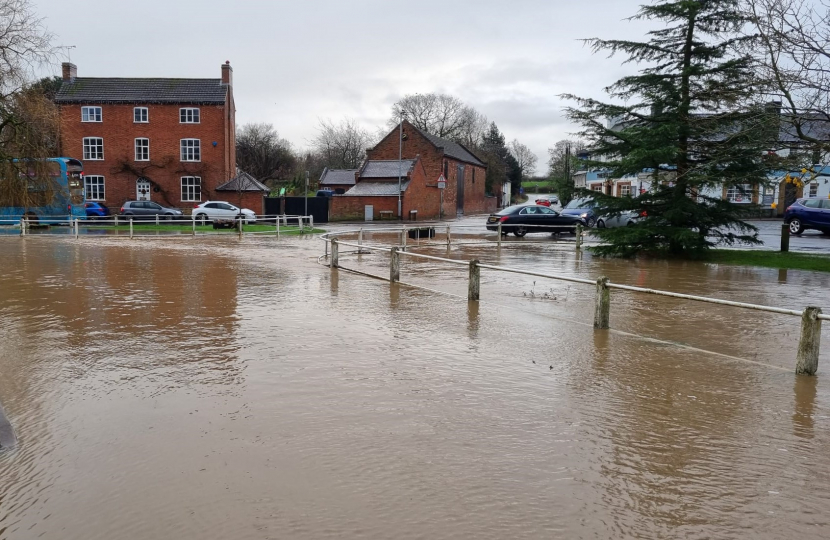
x=387, y=169
x=816, y=126
x=338, y=177
x=244, y=181
x=132, y=90
x=451, y=149
x=377, y=188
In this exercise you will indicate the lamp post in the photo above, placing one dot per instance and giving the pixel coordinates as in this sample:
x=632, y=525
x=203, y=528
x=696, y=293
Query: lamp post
x=400, y=165
x=306, y=193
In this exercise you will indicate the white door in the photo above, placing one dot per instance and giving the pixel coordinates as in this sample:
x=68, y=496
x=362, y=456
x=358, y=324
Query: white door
x=142, y=189
x=368, y=212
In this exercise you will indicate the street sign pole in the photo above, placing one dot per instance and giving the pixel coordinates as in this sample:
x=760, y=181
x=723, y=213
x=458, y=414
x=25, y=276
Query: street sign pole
x=442, y=183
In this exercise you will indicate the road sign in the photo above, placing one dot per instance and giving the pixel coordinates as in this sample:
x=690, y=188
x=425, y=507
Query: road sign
x=442, y=182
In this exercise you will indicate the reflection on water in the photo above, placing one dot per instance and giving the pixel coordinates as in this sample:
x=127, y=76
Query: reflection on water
x=195, y=390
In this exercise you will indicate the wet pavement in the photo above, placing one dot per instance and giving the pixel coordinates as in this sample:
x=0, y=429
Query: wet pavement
x=225, y=389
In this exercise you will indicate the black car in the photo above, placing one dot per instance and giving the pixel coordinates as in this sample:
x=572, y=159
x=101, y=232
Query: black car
x=541, y=219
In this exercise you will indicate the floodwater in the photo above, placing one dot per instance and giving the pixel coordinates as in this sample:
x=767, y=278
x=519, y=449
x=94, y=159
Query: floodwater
x=216, y=388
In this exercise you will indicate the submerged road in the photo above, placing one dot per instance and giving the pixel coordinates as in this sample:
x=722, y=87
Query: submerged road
x=7, y=438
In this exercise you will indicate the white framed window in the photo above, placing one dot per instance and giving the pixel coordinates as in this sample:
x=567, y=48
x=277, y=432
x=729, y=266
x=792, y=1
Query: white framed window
x=94, y=188
x=191, y=150
x=191, y=188
x=739, y=194
x=141, y=115
x=91, y=114
x=189, y=115
x=596, y=187
x=625, y=190
x=93, y=148
x=813, y=190
x=142, y=149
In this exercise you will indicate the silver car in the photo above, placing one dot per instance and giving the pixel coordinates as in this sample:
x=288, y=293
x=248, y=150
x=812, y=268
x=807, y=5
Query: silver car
x=623, y=220
x=148, y=210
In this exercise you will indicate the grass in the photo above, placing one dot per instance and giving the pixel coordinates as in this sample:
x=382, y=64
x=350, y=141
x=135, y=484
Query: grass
x=139, y=227
x=770, y=259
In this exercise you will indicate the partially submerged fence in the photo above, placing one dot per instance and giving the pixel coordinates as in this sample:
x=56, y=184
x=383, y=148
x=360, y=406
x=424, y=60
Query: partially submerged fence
x=169, y=226
x=807, y=355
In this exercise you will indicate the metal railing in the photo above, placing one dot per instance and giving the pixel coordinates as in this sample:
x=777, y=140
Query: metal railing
x=133, y=224
x=807, y=355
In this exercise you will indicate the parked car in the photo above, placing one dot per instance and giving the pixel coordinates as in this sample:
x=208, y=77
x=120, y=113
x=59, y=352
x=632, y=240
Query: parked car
x=806, y=214
x=584, y=208
x=547, y=201
x=148, y=210
x=325, y=192
x=96, y=210
x=514, y=218
x=210, y=210
x=623, y=220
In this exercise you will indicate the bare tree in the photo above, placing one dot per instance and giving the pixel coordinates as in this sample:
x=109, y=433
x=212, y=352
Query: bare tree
x=442, y=115
x=343, y=145
x=263, y=154
x=525, y=158
x=795, y=57
x=558, y=166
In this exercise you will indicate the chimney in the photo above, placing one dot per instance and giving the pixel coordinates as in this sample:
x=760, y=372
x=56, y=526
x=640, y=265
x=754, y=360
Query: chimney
x=227, y=73
x=70, y=71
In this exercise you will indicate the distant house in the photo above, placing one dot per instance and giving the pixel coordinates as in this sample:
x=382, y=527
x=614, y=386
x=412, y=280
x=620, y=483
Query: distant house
x=338, y=180
x=171, y=140
x=377, y=186
x=244, y=191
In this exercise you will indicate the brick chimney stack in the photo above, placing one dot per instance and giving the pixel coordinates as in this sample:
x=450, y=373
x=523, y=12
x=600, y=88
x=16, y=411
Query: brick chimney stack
x=70, y=71
x=227, y=73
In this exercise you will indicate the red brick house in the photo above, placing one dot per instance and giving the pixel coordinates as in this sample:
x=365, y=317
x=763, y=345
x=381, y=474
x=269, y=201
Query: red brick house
x=463, y=171
x=376, y=185
x=172, y=141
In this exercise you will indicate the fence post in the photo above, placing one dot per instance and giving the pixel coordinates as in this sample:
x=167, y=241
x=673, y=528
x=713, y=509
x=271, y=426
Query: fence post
x=194, y=225
x=360, y=241
x=131, y=228
x=602, y=312
x=300, y=224
x=448, y=236
x=403, y=238
x=808, y=345
x=116, y=221
x=785, y=237
x=499, y=233
x=474, y=285
x=239, y=226
x=278, y=232
x=394, y=266
x=579, y=237
x=335, y=254
x=157, y=219
x=23, y=226
x=311, y=223
x=77, y=227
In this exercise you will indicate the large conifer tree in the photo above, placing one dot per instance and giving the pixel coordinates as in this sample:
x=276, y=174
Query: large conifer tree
x=690, y=120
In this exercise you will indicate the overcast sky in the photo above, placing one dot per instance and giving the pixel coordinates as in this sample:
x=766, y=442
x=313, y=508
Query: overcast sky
x=299, y=61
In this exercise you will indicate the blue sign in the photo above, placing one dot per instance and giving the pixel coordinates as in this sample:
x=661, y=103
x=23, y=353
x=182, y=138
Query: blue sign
x=521, y=191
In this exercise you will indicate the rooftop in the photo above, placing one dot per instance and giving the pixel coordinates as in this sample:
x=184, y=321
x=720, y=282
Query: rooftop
x=377, y=188
x=136, y=90
x=338, y=177
x=243, y=182
x=387, y=169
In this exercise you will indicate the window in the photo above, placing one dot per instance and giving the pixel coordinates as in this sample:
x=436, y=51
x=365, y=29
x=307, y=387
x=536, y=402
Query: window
x=191, y=188
x=191, y=150
x=93, y=148
x=91, y=114
x=625, y=190
x=142, y=149
x=813, y=189
x=811, y=203
x=596, y=187
x=825, y=203
x=474, y=175
x=141, y=115
x=189, y=116
x=446, y=169
x=94, y=188
x=739, y=194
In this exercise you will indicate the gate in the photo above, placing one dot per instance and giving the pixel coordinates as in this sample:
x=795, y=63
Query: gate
x=317, y=207
x=273, y=206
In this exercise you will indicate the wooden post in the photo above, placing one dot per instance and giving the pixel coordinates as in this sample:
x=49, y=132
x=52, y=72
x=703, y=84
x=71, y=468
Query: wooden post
x=131, y=228
x=360, y=240
x=579, y=237
x=77, y=231
x=278, y=233
x=448, y=236
x=300, y=224
x=116, y=220
x=403, y=238
x=785, y=237
x=808, y=345
x=239, y=226
x=499, y=232
x=474, y=285
x=23, y=226
x=311, y=223
x=194, y=225
x=335, y=254
x=602, y=312
x=157, y=219
x=394, y=266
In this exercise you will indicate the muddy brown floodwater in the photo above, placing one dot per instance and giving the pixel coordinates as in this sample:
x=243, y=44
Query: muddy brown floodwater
x=181, y=389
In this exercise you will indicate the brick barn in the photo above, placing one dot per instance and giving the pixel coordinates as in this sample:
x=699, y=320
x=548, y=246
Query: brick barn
x=172, y=141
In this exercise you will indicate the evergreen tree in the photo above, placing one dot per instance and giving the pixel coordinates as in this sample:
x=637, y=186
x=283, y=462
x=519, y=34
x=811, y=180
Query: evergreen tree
x=688, y=116
x=501, y=164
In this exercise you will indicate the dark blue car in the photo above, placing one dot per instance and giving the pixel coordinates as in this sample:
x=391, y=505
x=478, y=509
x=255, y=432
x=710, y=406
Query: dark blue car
x=808, y=214
x=584, y=208
x=96, y=210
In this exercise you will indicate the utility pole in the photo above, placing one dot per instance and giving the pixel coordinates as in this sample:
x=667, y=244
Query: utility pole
x=306, y=193
x=400, y=166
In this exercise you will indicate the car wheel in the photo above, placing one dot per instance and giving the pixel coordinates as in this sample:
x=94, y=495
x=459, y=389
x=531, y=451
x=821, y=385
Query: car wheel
x=168, y=217
x=600, y=224
x=520, y=231
x=796, y=227
x=590, y=222
x=201, y=217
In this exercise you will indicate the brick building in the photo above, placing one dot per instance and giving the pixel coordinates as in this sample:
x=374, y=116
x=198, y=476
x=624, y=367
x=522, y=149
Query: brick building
x=463, y=171
x=172, y=141
x=377, y=186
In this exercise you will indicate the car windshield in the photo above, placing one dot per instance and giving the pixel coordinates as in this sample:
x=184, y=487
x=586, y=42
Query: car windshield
x=580, y=203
